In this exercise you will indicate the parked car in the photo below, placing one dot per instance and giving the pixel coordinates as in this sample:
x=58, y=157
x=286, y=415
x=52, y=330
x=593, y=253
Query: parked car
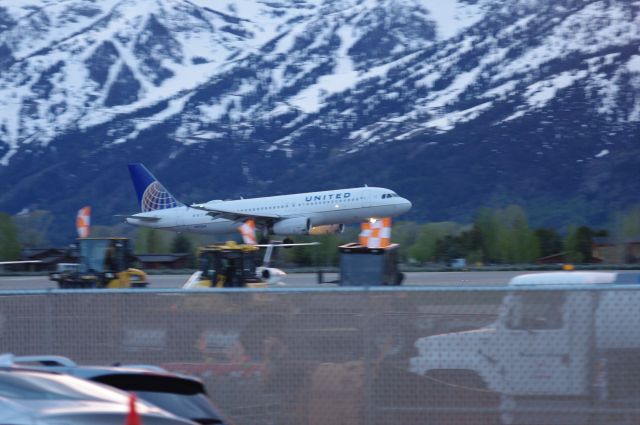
x=182, y=395
x=33, y=397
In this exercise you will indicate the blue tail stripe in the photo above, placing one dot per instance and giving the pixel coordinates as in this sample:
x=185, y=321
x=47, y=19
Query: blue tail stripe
x=151, y=194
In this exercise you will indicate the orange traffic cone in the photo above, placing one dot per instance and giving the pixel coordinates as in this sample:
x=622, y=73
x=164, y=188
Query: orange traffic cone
x=132, y=418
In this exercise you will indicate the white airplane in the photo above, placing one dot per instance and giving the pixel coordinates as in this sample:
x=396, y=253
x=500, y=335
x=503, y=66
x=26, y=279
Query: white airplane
x=296, y=214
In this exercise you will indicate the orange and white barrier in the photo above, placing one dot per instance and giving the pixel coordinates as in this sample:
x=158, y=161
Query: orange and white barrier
x=376, y=234
x=248, y=232
x=83, y=222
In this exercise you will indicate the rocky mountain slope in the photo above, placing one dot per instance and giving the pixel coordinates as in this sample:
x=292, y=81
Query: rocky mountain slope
x=456, y=104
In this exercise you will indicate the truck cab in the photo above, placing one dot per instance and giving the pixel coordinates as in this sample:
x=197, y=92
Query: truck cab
x=548, y=347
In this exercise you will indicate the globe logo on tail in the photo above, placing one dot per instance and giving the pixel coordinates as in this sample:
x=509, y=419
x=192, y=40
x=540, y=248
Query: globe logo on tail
x=156, y=197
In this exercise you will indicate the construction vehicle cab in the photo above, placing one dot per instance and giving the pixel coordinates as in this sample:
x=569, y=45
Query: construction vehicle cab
x=227, y=265
x=103, y=263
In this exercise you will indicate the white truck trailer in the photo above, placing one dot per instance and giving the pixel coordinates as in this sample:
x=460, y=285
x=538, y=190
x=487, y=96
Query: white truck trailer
x=565, y=349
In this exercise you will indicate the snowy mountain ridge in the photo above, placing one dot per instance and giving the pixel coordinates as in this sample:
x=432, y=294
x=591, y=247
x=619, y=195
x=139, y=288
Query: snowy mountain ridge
x=306, y=81
x=77, y=64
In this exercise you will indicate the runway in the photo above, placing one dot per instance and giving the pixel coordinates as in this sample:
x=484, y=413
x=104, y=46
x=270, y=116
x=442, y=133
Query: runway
x=297, y=280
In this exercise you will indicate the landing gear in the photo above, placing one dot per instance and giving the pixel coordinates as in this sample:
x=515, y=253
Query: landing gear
x=264, y=237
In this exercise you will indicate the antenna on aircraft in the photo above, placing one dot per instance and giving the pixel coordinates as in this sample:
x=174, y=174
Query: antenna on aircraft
x=365, y=185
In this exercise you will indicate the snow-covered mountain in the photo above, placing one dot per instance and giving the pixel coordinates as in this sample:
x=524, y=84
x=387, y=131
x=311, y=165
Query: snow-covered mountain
x=459, y=103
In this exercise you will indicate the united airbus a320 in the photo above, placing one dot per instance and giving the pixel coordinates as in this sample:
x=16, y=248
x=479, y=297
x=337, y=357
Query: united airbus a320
x=295, y=214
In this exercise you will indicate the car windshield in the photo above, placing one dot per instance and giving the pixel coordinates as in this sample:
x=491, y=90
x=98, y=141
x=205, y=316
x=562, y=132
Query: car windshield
x=39, y=386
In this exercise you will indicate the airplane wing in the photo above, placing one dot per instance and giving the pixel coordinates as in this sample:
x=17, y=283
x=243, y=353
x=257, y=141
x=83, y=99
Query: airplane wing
x=20, y=262
x=139, y=217
x=233, y=215
x=276, y=245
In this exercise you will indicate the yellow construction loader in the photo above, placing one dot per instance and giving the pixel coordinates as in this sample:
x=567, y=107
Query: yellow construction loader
x=103, y=263
x=227, y=265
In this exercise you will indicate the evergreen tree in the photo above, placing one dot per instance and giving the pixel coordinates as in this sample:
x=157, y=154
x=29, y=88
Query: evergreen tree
x=299, y=255
x=579, y=244
x=150, y=241
x=471, y=244
x=9, y=245
x=549, y=241
x=585, y=242
x=424, y=248
x=523, y=245
x=327, y=253
x=488, y=226
x=505, y=236
x=181, y=244
x=155, y=242
x=449, y=248
x=302, y=256
x=404, y=233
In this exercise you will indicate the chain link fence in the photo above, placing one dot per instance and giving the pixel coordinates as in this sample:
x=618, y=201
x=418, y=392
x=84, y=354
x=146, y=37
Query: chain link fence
x=361, y=356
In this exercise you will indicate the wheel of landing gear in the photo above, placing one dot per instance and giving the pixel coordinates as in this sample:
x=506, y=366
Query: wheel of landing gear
x=287, y=240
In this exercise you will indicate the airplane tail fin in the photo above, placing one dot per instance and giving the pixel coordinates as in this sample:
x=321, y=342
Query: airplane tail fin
x=152, y=195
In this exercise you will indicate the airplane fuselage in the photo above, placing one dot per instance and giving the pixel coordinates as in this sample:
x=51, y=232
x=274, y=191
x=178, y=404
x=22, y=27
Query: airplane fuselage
x=341, y=206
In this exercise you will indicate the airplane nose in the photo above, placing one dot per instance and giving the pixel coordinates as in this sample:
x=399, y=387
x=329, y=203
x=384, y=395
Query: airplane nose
x=405, y=205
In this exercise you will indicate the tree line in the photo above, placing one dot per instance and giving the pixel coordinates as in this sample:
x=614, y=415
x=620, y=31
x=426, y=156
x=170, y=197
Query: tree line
x=496, y=236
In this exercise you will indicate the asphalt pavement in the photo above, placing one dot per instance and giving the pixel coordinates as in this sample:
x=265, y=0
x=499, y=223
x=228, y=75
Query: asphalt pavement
x=297, y=280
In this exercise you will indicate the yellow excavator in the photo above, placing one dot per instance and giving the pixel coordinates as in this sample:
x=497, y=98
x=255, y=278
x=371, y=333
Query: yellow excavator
x=103, y=263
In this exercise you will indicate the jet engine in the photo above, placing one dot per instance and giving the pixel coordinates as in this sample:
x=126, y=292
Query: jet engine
x=292, y=226
x=327, y=229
